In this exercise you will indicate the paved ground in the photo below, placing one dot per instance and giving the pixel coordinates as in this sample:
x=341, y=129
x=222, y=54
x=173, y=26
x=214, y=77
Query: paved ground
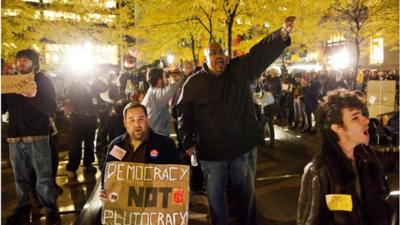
x=277, y=186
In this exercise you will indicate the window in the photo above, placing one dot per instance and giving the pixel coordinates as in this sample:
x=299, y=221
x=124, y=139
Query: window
x=376, y=54
x=11, y=12
x=57, y=15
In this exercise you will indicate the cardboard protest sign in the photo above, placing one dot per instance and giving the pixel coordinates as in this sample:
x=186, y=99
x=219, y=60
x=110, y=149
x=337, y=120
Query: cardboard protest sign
x=381, y=97
x=145, y=194
x=15, y=83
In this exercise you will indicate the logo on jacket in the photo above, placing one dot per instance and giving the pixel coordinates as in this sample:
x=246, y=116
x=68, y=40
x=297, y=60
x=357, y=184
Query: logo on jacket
x=154, y=153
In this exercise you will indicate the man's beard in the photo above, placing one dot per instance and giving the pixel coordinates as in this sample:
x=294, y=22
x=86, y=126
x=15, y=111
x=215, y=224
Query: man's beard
x=26, y=71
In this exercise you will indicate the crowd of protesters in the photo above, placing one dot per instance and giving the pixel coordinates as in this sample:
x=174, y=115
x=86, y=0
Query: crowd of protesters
x=297, y=94
x=211, y=109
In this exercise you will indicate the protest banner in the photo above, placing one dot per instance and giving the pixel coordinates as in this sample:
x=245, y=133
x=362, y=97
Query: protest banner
x=146, y=194
x=15, y=83
x=381, y=97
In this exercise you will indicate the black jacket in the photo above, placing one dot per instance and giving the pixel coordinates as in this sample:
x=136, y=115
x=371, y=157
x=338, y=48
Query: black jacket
x=311, y=95
x=84, y=97
x=217, y=113
x=330, y=172
x=30, y=116
x=167, y=152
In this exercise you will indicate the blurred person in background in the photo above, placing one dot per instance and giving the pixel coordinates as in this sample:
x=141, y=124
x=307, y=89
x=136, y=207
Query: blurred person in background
x=275, y=87
x=83, y=105
x=158, y=96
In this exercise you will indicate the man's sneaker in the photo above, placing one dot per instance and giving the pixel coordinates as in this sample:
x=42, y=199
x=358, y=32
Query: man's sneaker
x=53, y=219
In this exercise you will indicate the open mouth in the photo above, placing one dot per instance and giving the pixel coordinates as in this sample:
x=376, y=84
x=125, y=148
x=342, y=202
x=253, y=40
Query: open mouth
x=221, y=61
x=365, y=132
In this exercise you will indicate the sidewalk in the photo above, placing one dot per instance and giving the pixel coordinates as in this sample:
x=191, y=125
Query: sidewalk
x=279, y=172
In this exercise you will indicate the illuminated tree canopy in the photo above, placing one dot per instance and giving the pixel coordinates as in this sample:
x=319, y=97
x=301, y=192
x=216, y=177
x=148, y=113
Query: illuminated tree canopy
x=183, y=28
x=360, y=20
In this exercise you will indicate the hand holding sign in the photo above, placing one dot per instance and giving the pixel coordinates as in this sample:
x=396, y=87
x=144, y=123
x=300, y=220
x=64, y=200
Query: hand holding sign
x=145, y=194
x=19, y=84
x=30, y=91
x=103, y=195
x=190, y=151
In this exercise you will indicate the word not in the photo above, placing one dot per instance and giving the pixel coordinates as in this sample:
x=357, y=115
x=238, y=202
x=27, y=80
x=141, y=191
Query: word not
x=150, y=197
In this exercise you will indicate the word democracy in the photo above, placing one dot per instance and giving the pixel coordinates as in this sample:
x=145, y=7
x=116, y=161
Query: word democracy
x=125, y=172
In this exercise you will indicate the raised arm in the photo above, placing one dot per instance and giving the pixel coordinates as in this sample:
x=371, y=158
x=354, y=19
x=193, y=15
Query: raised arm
x=265, y=52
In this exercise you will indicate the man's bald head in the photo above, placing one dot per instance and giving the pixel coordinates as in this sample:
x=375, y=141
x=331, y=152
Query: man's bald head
x=212, y=46
x=187, y=68
x=215, y=58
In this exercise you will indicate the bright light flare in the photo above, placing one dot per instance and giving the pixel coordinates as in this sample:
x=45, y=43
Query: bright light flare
x=305, y=67
x=80, y=60
x=170, y=59
x=340, y=60
x=110, y=4
x=312, y=56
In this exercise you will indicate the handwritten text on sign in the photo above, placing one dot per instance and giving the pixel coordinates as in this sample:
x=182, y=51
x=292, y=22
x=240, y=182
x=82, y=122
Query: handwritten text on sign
x=145, y=194
x=15, y=83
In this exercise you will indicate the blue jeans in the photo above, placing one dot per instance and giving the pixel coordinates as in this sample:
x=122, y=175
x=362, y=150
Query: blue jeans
x=36, y=155
x=240, y=174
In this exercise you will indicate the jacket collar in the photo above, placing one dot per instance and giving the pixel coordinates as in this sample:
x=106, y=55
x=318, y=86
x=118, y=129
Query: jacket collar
x=208, y=75
x=126, y=137
x=340, y=165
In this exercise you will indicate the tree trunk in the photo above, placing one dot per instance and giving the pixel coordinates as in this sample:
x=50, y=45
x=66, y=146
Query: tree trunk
x=193, y=48
x=356, y=63
x=230, y=25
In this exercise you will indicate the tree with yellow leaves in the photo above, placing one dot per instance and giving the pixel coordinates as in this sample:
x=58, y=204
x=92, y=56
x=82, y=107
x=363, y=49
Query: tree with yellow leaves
x=28, y=24
x=163, y=23
x=360, y=20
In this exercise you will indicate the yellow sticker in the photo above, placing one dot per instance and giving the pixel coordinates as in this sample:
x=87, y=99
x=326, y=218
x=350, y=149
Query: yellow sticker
x=337, y=202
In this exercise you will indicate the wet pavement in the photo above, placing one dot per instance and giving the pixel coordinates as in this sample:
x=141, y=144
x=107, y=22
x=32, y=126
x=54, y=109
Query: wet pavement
x=279, y=172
